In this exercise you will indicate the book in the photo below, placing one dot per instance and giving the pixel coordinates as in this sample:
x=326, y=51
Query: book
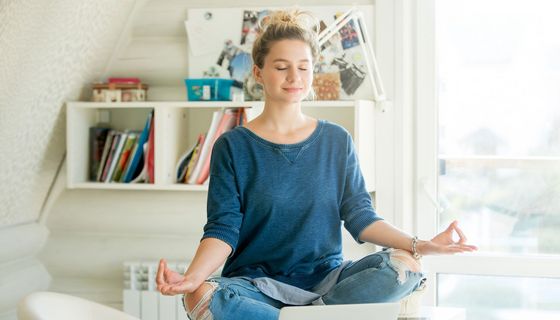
x=115, y=156
x=194, y=158
x=125, y=154
x=227, y=122
x=182, y=164
x=106, y=148
x=107, y=165
x=149, y=160
x=241, y=117
x=216, y=116
x=129, y=160
x=123, y=80
x=142, y=171
x=97, y=137
x=138, y=153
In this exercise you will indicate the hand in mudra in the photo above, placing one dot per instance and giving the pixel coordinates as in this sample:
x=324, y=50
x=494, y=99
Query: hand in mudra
x=443, y=243
x=170, y=282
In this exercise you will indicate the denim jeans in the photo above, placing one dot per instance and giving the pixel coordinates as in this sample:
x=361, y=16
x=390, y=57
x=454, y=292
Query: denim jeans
x=374, y=278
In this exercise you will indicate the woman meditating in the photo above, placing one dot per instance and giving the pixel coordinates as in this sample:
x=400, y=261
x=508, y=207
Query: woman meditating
x=280, y=186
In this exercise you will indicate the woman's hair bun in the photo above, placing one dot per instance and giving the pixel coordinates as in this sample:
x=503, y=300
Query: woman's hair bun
x=294, y=18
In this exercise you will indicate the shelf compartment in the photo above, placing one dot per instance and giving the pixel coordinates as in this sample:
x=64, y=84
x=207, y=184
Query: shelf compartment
x=177, y=125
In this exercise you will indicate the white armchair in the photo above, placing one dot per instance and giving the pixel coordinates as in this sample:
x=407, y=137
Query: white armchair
x=52, y=305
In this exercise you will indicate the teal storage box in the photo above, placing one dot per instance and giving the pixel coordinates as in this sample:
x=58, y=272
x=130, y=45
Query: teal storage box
x=209, y=89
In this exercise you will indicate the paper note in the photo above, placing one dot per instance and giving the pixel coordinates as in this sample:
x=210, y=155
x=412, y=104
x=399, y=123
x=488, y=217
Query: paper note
x=203, y=38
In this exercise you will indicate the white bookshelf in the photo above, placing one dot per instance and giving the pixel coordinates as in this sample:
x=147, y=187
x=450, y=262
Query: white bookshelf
x=177, y=125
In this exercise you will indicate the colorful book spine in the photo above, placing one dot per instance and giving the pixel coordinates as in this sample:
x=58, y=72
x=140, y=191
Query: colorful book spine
x=129, y=161
x=195, y=156
x=138, y=153
x=151, y=154
x=106, y=149
x=114, y=143
x=125, y=154
x=182, y=164
x=98, y=138
x=115, y=156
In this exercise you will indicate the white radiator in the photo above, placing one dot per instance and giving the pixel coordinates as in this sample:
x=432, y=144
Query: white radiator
x=140, y=297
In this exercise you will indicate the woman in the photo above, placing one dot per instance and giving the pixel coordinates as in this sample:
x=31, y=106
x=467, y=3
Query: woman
x=279, y=188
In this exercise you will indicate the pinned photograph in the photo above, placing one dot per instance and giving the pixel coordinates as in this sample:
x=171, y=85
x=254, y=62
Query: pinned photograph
x=330, y=49
x=327, y=86
x=349, y=35
x=240, y=66
x=351, y=75
x=236, y=61
x=251, y=26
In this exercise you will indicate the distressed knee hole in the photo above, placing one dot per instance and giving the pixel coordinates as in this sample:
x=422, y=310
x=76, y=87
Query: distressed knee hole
x=402, y=261
x=197, y=303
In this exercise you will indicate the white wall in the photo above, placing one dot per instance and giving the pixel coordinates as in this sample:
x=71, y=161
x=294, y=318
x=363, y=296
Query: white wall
x=49, y=50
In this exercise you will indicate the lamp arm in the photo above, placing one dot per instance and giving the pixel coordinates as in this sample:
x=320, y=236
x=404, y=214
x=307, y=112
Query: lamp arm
x=371, y=63
x=333, y=28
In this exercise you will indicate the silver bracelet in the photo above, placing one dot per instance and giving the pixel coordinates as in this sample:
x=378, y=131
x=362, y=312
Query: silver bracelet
x=415, y=253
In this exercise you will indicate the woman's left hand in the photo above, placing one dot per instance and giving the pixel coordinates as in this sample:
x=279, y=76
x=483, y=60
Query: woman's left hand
x=443, y=242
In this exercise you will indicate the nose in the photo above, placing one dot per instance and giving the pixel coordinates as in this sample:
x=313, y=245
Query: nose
x=293, y=74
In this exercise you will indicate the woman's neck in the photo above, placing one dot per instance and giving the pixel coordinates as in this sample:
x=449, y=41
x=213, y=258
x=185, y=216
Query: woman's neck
x=282, y=118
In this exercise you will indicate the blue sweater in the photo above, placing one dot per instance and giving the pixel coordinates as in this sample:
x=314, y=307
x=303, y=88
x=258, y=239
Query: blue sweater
x=280, y=206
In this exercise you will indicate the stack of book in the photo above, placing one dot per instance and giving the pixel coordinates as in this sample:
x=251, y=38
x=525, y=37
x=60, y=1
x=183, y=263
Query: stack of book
x=119, y=90
x=122, y=156
x=193, y=166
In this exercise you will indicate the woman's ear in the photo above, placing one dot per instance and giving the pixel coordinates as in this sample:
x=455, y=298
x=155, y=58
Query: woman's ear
x=257, y=74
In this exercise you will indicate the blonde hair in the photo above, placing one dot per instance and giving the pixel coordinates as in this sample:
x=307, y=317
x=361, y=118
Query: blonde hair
x=286, y=25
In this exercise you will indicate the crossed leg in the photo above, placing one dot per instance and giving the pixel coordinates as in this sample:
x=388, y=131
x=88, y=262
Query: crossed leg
x=230, y=298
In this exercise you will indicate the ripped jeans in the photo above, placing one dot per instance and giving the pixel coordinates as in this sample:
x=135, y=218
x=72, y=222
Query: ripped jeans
x=384, y=276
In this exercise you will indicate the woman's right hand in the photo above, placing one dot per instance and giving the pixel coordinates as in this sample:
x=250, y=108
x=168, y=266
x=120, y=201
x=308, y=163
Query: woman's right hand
x=170, y=282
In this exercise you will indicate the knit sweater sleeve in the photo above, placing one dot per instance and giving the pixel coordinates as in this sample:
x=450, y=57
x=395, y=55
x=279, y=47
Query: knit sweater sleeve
x=356, y=207
x=224, y=214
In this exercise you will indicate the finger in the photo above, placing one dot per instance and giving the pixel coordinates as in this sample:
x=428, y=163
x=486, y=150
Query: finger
x=185, y=287
x=450, y=250
x=171, y=276
x=470, y=247
x=459, y=245
x=165, y=290
x=462, y=236
x=169, y=290
x=461, y=248
x=160, y=280
x=450, y=228
x=453, y=250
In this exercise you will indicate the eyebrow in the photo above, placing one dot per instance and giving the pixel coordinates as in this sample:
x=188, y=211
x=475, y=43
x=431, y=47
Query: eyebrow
x=284, y=60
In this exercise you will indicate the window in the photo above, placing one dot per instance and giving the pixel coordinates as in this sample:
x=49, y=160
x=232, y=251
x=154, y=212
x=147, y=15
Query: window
x=496, y=152
x=499, y=122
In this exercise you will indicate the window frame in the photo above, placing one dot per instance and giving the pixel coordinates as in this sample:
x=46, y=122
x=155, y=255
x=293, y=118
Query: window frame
x=426, y=173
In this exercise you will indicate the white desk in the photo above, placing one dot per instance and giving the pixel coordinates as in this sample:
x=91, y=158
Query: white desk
x=439, y=313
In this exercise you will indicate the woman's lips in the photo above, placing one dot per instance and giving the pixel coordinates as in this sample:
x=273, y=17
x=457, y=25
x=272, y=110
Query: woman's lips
x=293, y=89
